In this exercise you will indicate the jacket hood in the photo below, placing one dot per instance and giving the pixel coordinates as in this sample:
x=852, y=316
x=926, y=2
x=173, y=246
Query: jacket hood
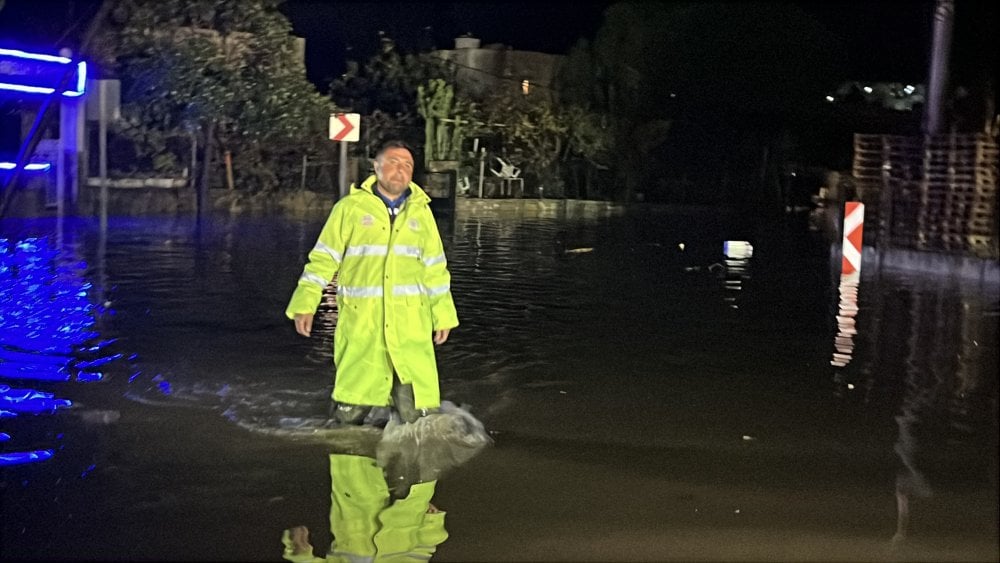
x=417, y=194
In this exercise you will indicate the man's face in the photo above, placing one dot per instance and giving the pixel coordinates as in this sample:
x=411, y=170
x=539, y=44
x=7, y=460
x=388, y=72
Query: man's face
x=394, y=170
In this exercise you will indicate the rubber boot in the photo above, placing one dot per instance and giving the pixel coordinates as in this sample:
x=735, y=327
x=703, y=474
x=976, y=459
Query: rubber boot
x=350, y=414
x=403, y=402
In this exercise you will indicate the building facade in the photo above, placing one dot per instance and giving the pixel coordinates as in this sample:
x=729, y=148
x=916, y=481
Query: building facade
x=497, y=68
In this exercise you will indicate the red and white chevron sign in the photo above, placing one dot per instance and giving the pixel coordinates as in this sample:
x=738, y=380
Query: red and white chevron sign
x=345, y=127
x=854, y=223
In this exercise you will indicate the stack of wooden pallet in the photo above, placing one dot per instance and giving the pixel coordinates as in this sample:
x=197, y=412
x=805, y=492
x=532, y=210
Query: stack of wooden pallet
x=934, y=193
x=890, y=171
x=959, y=194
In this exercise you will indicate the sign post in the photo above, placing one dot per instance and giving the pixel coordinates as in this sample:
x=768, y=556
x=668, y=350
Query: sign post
x=104, y=108
x=344, y=128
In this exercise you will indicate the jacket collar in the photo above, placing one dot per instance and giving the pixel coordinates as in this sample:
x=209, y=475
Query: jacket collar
x=417, y=194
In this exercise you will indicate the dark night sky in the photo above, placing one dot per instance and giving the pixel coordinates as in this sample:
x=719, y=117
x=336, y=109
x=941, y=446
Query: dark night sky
x=339, y=31
x=887, y=40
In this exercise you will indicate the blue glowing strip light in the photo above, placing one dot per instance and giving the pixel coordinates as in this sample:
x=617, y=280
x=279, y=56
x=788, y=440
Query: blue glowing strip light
x=35, y=73
x=29, y=166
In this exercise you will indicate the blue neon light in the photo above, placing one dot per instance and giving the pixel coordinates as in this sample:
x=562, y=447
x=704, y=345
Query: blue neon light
x=34, y=56
x=36, y=166
x=36, y=73
x=81, y=80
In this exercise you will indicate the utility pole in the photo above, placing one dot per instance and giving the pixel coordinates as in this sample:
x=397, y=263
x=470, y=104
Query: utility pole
x=937, y=80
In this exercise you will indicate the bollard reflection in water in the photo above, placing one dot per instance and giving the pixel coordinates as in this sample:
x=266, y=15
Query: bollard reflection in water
x=847, y=312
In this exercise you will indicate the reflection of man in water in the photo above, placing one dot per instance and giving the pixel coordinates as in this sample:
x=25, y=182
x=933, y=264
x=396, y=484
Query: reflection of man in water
x=367, y=522
x=393, y=296
x=381, y=490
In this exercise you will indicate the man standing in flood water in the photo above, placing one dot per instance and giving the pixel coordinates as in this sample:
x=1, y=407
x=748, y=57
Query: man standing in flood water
x=393, y=292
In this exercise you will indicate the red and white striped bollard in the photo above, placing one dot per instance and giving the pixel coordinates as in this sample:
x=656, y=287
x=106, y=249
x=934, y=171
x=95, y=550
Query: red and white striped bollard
x=854, y=224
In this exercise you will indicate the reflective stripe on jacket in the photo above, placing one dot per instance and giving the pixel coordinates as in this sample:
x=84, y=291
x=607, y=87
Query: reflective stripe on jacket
x=393, y=291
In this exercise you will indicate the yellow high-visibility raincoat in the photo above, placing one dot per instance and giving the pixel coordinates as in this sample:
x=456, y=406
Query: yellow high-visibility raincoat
x=393, y=291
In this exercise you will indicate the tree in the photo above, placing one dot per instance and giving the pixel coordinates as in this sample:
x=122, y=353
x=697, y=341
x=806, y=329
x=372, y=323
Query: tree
x=388, y=80
x=534, y=132
x=589, y=143
x=413, y=96
x=219, y=71
x=387, y=86
x=445, y=120
x=576, y=81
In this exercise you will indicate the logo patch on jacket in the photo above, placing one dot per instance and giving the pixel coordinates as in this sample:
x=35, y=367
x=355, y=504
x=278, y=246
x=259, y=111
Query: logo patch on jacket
x=413, y=224
x=367, y=221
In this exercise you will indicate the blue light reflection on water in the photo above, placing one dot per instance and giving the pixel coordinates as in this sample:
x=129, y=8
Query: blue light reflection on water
x=30, y=401
x=47, y=332
x=17, y=458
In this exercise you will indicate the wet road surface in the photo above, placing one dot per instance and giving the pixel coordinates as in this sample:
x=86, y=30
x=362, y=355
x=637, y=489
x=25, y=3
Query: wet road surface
x=663, y=384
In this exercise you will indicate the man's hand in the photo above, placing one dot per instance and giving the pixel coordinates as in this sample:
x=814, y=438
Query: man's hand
x=441, y=336
x=304, y=323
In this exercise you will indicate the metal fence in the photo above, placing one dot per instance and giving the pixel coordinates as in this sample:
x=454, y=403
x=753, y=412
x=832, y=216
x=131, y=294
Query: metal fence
x=318, y=175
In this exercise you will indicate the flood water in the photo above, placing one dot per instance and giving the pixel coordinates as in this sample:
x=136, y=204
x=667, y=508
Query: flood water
x=660, y=384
